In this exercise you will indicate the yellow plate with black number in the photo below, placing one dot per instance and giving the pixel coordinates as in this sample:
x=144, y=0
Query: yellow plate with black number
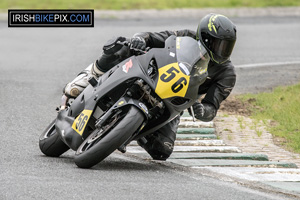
x=81, y=120
x=172, y=82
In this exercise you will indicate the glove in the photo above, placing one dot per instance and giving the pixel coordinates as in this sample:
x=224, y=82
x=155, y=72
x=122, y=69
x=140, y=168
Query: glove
x=199, y=110
x=138, y=43
x=204, y=112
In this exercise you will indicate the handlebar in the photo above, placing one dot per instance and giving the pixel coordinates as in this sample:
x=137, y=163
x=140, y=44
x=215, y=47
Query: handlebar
x=128, y=44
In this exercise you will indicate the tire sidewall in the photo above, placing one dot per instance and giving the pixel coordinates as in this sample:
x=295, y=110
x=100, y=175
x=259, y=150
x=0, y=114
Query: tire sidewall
x=53, y=145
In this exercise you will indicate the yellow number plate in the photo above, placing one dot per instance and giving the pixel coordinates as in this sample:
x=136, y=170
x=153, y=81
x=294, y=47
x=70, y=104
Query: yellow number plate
x=172, y=82
x=81, y=121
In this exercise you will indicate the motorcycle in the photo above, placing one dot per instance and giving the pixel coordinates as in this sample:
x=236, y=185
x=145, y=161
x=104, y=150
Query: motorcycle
x=133, y=99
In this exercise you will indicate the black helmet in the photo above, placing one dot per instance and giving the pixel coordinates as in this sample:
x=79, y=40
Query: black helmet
x=218, y=35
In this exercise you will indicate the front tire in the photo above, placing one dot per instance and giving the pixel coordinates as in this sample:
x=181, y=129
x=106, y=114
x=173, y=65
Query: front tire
x=50, y=142
x=101, y=143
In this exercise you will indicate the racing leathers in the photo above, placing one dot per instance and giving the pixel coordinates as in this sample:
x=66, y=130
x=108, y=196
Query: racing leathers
x=218, y=85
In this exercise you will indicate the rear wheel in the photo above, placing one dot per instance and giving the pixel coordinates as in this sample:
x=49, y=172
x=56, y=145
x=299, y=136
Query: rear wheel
x=50, y=142
x=102, y=142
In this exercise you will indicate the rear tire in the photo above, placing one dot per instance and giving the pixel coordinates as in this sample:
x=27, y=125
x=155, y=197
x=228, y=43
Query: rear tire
x=50, y=142
x=98, y=145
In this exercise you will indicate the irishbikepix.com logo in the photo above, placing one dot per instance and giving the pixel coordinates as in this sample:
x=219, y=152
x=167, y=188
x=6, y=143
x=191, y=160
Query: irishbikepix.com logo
x=50, y=18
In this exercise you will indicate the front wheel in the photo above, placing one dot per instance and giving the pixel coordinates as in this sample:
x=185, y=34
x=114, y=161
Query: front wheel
x=50, y=142
x=102, y=142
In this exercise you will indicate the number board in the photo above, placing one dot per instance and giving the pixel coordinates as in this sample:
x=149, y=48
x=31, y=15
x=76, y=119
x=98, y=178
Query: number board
x=172, y=82
x=81, y=121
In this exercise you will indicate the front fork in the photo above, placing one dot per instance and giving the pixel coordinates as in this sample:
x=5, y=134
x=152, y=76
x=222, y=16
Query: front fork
x=122, y=102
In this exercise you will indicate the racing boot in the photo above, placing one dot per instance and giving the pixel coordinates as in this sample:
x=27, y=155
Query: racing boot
x=160, y=144
x=75, y=87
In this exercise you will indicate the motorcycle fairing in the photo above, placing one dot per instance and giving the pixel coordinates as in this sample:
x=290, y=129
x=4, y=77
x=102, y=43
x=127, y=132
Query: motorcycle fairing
x=72, y=123
x=187, y=69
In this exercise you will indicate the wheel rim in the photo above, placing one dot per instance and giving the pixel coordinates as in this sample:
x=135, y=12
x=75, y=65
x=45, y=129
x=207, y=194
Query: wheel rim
x=99, y=134
x=50, y=131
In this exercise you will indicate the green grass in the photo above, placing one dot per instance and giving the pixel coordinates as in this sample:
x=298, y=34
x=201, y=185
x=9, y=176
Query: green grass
x=283, y=107
x=241, y=123
x=140, y=4
x=255, y=126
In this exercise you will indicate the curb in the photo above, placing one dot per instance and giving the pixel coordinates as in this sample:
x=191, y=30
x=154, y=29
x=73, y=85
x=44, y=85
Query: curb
x=210, y=142
x=197, y=145
x=227, y=156
x=231, y=156
x=195, y=151
x=195, y=136
x=194, y=163
x=196, y=131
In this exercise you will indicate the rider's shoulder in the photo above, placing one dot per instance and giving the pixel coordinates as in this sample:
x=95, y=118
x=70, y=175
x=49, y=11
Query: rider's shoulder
x=185, y=32
x=226, y=68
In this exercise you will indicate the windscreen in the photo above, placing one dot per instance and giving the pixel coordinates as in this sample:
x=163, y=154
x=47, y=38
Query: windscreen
x=191, y=56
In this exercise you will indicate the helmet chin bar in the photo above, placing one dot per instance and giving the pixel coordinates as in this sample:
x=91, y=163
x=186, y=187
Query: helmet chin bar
x=212, y=57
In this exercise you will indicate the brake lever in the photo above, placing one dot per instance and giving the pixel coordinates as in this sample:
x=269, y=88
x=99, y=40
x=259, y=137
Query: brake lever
x=128, y=44
x=124, y=43
x=138, y=50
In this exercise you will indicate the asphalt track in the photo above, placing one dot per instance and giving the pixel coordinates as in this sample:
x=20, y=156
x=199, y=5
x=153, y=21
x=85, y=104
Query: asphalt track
x=37, y=62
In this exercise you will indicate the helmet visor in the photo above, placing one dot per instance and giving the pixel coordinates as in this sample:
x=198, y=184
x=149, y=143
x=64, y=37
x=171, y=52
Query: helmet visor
x=220, y=48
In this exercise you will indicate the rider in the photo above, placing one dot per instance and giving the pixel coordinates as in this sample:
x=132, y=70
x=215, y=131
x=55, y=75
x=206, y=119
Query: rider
x=218, y=35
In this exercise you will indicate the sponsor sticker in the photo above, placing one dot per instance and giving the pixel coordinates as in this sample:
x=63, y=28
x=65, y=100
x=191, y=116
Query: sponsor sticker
x=121, y=103
x=143, y=107
x=127, y=66
x=172, y=54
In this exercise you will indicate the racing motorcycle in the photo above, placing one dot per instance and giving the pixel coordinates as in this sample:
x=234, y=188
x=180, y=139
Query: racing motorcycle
x=133, y=99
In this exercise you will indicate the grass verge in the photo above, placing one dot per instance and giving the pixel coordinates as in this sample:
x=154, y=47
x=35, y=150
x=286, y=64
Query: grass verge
x=280, y=110
x=140, y=4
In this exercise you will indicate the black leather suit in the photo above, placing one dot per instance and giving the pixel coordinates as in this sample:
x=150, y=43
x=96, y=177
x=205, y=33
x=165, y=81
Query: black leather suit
x=218, y=85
